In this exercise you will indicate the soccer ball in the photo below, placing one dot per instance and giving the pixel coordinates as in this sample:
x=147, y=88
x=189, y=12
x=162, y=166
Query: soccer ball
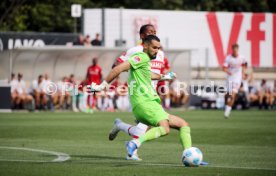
x=192, y=157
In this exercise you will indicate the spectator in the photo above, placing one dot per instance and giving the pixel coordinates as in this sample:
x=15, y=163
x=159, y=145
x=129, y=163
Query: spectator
x=49, y=90
x=273, y=95
x=47, y=80
x=109, y=97
x=178, y=97
x=79, y=41
x=97, y=41
x=87, y=41
x=37, y=90
x=245, y=86
x=241, y=101
x=23, y=98
x=74, y=94
x=63, y=96
x=263, y=94
x=252, y=86
x=109, y=100
x=83, y=93
x=13, y=83
x=253, y=94
x=94, y=74
x=72, y=79
x=122, y=101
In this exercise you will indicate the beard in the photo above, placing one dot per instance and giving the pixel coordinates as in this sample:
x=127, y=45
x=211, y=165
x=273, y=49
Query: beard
x=152, y=56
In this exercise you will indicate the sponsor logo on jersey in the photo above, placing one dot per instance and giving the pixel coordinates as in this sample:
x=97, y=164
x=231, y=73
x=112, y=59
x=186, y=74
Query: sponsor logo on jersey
x=156, y=64
x=94, y=72
x=136, y=59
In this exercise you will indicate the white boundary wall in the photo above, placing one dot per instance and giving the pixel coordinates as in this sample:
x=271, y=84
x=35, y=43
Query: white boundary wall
x=255, y=32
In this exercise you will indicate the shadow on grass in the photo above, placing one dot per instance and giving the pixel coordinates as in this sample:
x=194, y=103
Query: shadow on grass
x=86, y=157
x=100, y=160
x=96, y=157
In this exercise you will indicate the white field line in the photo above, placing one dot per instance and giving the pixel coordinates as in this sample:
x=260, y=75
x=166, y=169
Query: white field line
x=210, y=166
x=61, y=157
x=141, y=163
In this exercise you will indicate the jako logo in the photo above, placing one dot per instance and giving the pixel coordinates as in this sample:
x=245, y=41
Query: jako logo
x=17, y=43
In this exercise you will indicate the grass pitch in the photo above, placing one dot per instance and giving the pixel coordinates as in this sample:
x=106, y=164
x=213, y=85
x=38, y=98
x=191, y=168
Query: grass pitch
x=242, y=145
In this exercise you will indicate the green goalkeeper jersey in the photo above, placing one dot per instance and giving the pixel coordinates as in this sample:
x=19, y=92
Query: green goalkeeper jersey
x=139, y=81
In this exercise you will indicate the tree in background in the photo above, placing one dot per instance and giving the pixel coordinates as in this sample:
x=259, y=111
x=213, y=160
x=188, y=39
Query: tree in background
x=55, y=15
x=39, y=16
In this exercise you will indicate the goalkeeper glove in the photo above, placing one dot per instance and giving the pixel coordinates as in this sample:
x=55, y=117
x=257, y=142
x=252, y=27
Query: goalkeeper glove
x=168, y=76
x=98, y=88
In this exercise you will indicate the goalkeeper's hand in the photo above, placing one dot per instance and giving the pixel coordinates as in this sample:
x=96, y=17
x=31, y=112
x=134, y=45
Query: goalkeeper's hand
x=98, y=88
x=168, y=76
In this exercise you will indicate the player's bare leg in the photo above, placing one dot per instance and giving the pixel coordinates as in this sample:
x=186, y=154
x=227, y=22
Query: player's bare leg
x=230, y=99
x=184, y=130
x=185, y=99
x=162, y=130
x=261, y=98
x=271, y=100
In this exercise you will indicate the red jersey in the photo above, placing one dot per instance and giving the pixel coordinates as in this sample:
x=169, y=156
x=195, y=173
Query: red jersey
x=94, y=74
x=166, y=66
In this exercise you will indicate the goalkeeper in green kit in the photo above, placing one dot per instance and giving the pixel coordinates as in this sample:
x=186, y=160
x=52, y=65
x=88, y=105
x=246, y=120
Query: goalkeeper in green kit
x=145, y=102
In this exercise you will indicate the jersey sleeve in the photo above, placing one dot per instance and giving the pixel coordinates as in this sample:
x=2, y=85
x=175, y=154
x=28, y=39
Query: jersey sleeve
x=121, y=58
x=126, y=55
x=136, y=61
x=226, y=62
x=166, y=64
x=244, y=61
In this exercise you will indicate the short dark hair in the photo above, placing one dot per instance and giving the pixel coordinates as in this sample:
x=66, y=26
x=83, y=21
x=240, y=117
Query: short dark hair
x=149, y=38
x=143, y=28
x=235, y=45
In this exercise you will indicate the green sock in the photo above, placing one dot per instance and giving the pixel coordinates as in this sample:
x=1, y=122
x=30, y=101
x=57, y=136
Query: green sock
x=185, y=137
x=153, y=133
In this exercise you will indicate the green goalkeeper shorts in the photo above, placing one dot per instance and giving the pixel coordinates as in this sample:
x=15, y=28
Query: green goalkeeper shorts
x=150, y=113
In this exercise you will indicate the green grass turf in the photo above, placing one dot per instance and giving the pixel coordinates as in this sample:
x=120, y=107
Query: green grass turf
x=242, y=145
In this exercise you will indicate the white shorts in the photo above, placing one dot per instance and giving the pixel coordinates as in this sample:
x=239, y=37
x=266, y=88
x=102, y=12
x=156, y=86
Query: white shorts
x=233, y=86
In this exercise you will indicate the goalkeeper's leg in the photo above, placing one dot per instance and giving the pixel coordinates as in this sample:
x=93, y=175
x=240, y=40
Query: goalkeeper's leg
x=133, y=130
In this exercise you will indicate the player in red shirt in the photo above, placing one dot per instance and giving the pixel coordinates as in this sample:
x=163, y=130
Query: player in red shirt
x=94, y=74
x=162, y=86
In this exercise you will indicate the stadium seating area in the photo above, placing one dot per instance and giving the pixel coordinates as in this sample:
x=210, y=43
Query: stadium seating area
x=71, y=94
